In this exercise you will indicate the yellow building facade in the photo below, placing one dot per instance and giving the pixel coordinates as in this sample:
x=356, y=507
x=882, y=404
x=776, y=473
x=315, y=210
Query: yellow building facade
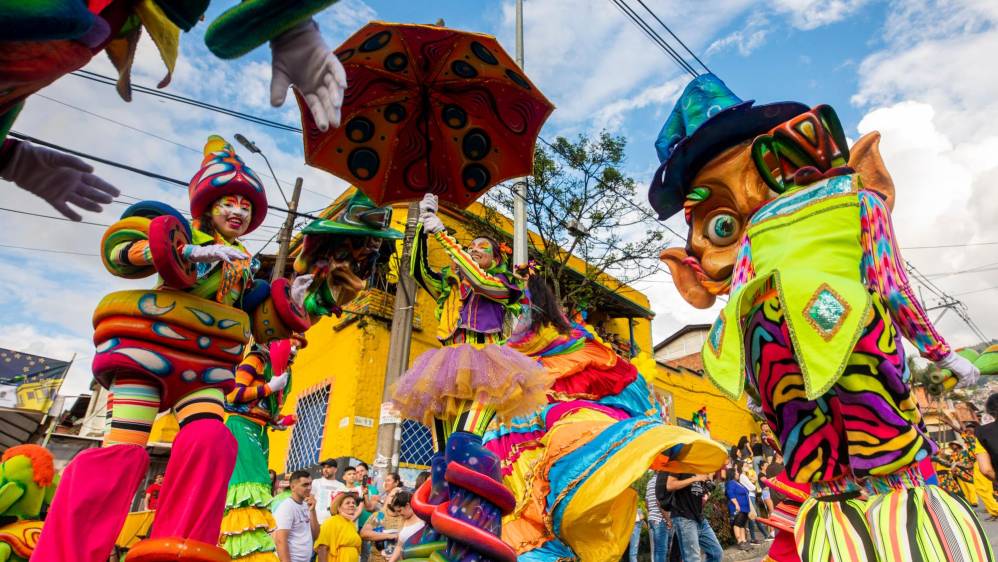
x=343, y=367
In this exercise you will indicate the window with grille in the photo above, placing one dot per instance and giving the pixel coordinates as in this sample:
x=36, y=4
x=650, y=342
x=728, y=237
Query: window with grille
x=306, y=435
x=416, y=447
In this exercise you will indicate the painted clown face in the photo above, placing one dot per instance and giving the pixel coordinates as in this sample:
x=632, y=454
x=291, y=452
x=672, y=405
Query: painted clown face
x=482, y=252
x=230, y=215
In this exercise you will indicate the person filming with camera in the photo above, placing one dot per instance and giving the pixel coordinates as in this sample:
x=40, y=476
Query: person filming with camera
x=693, y=530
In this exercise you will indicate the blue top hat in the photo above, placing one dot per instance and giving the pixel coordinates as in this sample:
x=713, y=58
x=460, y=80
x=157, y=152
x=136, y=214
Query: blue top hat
x=708, y=119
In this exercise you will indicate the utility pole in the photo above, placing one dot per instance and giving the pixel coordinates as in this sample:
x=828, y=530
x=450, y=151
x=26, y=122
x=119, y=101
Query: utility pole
x=399, y=344
x=520, y=187
x=289, y=223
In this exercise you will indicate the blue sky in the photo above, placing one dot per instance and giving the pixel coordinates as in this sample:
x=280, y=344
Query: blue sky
x=912, y=69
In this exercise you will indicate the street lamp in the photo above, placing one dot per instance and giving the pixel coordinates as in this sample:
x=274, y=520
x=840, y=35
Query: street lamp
x=252, y=147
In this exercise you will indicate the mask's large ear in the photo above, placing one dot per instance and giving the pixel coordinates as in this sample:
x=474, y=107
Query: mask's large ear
x=864, y=157
x=685, y=278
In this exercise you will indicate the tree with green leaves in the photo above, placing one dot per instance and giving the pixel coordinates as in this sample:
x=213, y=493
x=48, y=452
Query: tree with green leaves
x=580, y=203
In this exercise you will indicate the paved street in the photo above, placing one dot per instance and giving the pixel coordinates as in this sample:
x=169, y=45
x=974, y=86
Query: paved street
x=734, y=555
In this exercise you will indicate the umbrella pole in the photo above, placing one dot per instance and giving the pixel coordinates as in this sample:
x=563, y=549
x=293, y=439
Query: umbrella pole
x=400, y=341
x=520, y=187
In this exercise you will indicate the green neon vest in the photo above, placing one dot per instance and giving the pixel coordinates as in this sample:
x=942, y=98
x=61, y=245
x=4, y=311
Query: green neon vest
x=806, y=245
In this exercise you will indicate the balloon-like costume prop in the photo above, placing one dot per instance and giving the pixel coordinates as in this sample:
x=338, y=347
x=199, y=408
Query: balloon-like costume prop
x=570, y=463
x=43, y=40
x=27, y=484
x=796, y=225
x=458, y=389
x=173, y=347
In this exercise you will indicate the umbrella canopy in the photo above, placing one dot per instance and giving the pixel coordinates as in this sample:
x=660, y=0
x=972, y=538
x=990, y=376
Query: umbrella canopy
x=428, y=110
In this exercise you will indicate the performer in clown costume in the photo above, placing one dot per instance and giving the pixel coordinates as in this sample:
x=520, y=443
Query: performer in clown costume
x=337, y=256
x=459, y=389
x=43, y=40
x=571, y=463
x=796, y=225
x=253, y=408
x=172, y=348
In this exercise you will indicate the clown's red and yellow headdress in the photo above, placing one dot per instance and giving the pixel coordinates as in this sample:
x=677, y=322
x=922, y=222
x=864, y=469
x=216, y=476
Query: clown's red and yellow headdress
x=224, y=173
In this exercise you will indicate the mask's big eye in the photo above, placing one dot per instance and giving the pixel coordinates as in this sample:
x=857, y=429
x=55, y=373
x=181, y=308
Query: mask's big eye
x=722, y=229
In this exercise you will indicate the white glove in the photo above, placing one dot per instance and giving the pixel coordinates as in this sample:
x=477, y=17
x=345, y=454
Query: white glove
x=299, y=288
x=212, y=253
x=278, y=383
x=428, y=204
x=58, y=178
x=431, y=223
x=964, y=370
x=302, y=58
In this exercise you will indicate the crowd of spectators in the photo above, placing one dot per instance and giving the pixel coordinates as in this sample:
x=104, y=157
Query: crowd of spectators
x=342, y=516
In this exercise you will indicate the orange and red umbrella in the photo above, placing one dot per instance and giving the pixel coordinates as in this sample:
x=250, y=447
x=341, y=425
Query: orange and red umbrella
x=428, y=110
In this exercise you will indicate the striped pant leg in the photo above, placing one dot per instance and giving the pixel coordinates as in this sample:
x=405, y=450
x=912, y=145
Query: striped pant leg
x=834, y=531
x=928, y=524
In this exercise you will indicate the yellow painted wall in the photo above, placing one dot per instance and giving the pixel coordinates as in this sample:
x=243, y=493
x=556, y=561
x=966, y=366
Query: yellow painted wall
x=353, y=358
x=729, y=420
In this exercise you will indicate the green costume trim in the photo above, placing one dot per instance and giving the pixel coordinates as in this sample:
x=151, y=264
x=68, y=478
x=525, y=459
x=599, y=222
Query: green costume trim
x=822, y=293
x=251, y=542
x=252, y=23
x=251, y=463
x=8, y=118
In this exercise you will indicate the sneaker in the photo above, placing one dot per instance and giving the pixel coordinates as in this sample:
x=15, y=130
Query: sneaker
x=754, y=542
x=743, y=546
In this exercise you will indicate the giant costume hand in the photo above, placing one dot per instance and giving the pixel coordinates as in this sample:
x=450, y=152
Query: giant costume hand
x=278, y=383
x=58, y=178
x=431, y=223
x=302, y=58
x=212, y=253
x=428, y=204
x=964, y=370
x=299, y=289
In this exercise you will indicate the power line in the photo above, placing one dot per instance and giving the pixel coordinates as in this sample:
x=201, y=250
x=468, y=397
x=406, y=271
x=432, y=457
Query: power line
x=674, y=36
x=119, y=123
x=107, y=80
x=48, y=251
x=132, y=169
x=654, y=36
x=975, y=291
x=53, y=217
x=949, y=246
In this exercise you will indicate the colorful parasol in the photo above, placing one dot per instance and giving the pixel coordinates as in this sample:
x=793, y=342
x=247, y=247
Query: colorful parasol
x=428, y=110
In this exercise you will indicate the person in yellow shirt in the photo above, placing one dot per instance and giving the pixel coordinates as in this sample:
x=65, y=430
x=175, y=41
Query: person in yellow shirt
x=338, y=539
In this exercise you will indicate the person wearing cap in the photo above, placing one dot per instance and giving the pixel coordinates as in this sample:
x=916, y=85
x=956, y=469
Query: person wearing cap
x=326, y=487
x=175, y=348
x=795, y=225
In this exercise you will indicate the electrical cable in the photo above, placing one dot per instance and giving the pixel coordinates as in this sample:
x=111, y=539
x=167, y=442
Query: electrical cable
x=147, y=173
x=654, y=36
x=674, y=36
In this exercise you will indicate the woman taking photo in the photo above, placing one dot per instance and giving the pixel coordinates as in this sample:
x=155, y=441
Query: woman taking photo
x=338, y=538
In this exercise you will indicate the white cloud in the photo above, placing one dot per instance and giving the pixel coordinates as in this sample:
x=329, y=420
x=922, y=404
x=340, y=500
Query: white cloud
x=586, y=55
x=746, y=39
x=927, y=94
x=812, y=14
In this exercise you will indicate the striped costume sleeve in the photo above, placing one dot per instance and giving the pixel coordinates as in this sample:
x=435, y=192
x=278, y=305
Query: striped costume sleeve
x=744, y=271
x=135, y=253
x=883, y=272
x=490, y=286
x=433, y=282
x=250, y=384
